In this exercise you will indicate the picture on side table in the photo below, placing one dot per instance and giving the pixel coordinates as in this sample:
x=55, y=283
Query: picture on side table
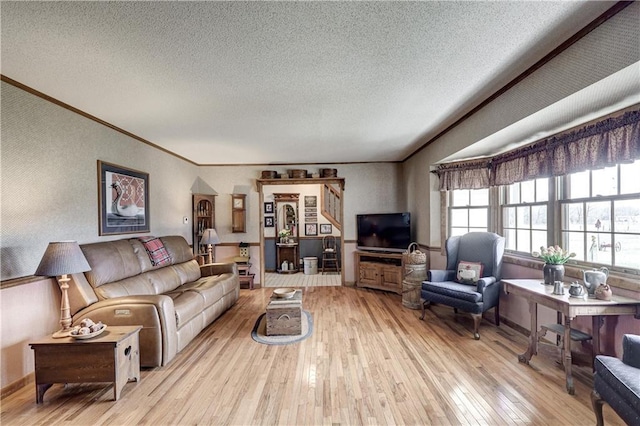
x=268, y=222
x=123, y=200
x=326, y=228
x=311, y=229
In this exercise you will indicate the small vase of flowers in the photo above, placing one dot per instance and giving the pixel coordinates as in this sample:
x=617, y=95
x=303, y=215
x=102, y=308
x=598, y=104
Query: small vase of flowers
x=554, y=259
x=284, y=235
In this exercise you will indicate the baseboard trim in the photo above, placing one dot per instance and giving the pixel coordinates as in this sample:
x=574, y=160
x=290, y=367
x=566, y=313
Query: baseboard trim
x=517, y=327
x=18, y=384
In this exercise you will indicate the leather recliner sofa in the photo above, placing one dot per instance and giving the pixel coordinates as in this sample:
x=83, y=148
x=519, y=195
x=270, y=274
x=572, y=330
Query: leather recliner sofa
x=172, y=302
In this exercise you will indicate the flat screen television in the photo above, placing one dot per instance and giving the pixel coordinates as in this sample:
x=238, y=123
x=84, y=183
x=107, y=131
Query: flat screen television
x=384, y=231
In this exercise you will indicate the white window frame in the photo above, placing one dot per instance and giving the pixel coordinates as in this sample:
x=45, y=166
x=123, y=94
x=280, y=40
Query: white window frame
x=563, y=199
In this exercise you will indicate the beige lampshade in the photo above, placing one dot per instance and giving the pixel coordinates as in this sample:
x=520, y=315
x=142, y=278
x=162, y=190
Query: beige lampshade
x=62, y=257
x=210, y=236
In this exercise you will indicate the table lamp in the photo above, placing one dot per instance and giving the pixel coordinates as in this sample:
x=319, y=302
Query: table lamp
x=59, y=259
x=210, y=238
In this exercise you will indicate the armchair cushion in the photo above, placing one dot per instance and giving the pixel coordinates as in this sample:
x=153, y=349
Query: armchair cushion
x=469, y=272
x=453, y=289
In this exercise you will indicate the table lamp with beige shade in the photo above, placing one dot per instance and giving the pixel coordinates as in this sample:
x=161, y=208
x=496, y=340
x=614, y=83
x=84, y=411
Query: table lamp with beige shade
x=210, y=238
x=60, y=259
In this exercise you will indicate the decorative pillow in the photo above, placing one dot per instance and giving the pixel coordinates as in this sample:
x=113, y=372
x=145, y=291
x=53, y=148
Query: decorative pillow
x=469, y=272
x=158, y=254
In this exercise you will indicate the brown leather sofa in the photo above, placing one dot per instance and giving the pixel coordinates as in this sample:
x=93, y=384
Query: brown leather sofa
x=172, y=303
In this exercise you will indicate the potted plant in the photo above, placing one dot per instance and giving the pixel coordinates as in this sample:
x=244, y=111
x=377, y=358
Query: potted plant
x=284, y=235
x=554, y=259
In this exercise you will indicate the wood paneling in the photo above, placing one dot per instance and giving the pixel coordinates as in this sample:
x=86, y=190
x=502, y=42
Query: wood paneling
x=368, y=361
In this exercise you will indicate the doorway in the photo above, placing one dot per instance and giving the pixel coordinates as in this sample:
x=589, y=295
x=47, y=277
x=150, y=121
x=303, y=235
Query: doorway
x=295, y=209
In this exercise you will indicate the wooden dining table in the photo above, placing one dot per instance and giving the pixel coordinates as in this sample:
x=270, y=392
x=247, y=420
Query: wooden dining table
x=536, y=293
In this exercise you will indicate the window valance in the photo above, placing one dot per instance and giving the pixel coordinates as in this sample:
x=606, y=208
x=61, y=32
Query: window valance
x=608, y=142
x=473, y=174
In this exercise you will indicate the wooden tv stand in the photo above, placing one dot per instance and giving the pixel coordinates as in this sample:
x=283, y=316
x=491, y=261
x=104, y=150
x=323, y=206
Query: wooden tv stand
x=379, y=270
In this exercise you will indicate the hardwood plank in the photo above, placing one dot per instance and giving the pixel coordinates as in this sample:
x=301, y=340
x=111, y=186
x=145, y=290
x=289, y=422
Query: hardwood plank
x=368, y=361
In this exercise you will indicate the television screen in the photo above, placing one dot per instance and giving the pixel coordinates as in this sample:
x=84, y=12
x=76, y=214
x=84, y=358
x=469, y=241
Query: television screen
x=384, y=231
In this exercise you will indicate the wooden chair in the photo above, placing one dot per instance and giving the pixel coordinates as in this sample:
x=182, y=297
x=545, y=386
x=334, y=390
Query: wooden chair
x=330, y=253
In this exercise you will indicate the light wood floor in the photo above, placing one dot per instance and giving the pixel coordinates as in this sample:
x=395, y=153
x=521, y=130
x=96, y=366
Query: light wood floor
x=368, y=361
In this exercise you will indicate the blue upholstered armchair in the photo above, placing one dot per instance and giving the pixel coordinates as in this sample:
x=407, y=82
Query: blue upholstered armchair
x=617, y=382
x=471, y=282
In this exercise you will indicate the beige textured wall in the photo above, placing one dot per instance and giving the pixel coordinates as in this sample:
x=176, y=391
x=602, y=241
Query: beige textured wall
x=49, y=179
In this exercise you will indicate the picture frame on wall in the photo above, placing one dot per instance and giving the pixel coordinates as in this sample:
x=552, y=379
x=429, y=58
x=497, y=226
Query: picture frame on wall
x=268, y=207
x=311, y=229
x=123, y=200
x=326, y=228
x=268, y=222
x=310, y=201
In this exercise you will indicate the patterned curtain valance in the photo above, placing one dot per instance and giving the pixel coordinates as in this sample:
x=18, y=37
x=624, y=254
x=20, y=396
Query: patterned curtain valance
x=606, y=143
x=473, y=174
x=523, y=164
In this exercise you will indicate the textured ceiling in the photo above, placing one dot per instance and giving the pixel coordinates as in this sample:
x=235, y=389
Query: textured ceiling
x=272, y=82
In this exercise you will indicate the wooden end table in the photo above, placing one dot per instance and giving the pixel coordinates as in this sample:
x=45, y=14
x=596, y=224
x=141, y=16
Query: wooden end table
x=113, y=356
x=244, y=274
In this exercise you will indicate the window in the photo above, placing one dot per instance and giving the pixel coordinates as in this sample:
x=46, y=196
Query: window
x=600, y=216
x=468, y=211
x=590, y=207
x=525, y=215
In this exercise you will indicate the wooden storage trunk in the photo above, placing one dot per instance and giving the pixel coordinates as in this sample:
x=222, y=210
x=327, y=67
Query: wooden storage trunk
x=284, y=318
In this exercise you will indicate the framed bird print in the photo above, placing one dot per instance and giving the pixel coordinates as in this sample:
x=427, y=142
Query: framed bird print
x=123, y=200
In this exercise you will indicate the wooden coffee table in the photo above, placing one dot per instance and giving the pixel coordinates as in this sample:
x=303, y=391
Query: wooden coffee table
x=284, y=316
x=113, y=356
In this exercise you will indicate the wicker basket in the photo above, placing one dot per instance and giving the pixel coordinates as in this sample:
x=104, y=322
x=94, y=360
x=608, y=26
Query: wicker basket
x=298, y=173
x=413, y=256
x=328, y=173
x=269, y=174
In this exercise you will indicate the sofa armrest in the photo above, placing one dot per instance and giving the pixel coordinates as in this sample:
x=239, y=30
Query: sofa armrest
x=218, y=269
x=156, y=315
x=631, y=350
x=440, y=275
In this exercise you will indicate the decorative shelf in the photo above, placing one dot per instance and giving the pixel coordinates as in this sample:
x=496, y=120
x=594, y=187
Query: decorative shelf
x=301, y=181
